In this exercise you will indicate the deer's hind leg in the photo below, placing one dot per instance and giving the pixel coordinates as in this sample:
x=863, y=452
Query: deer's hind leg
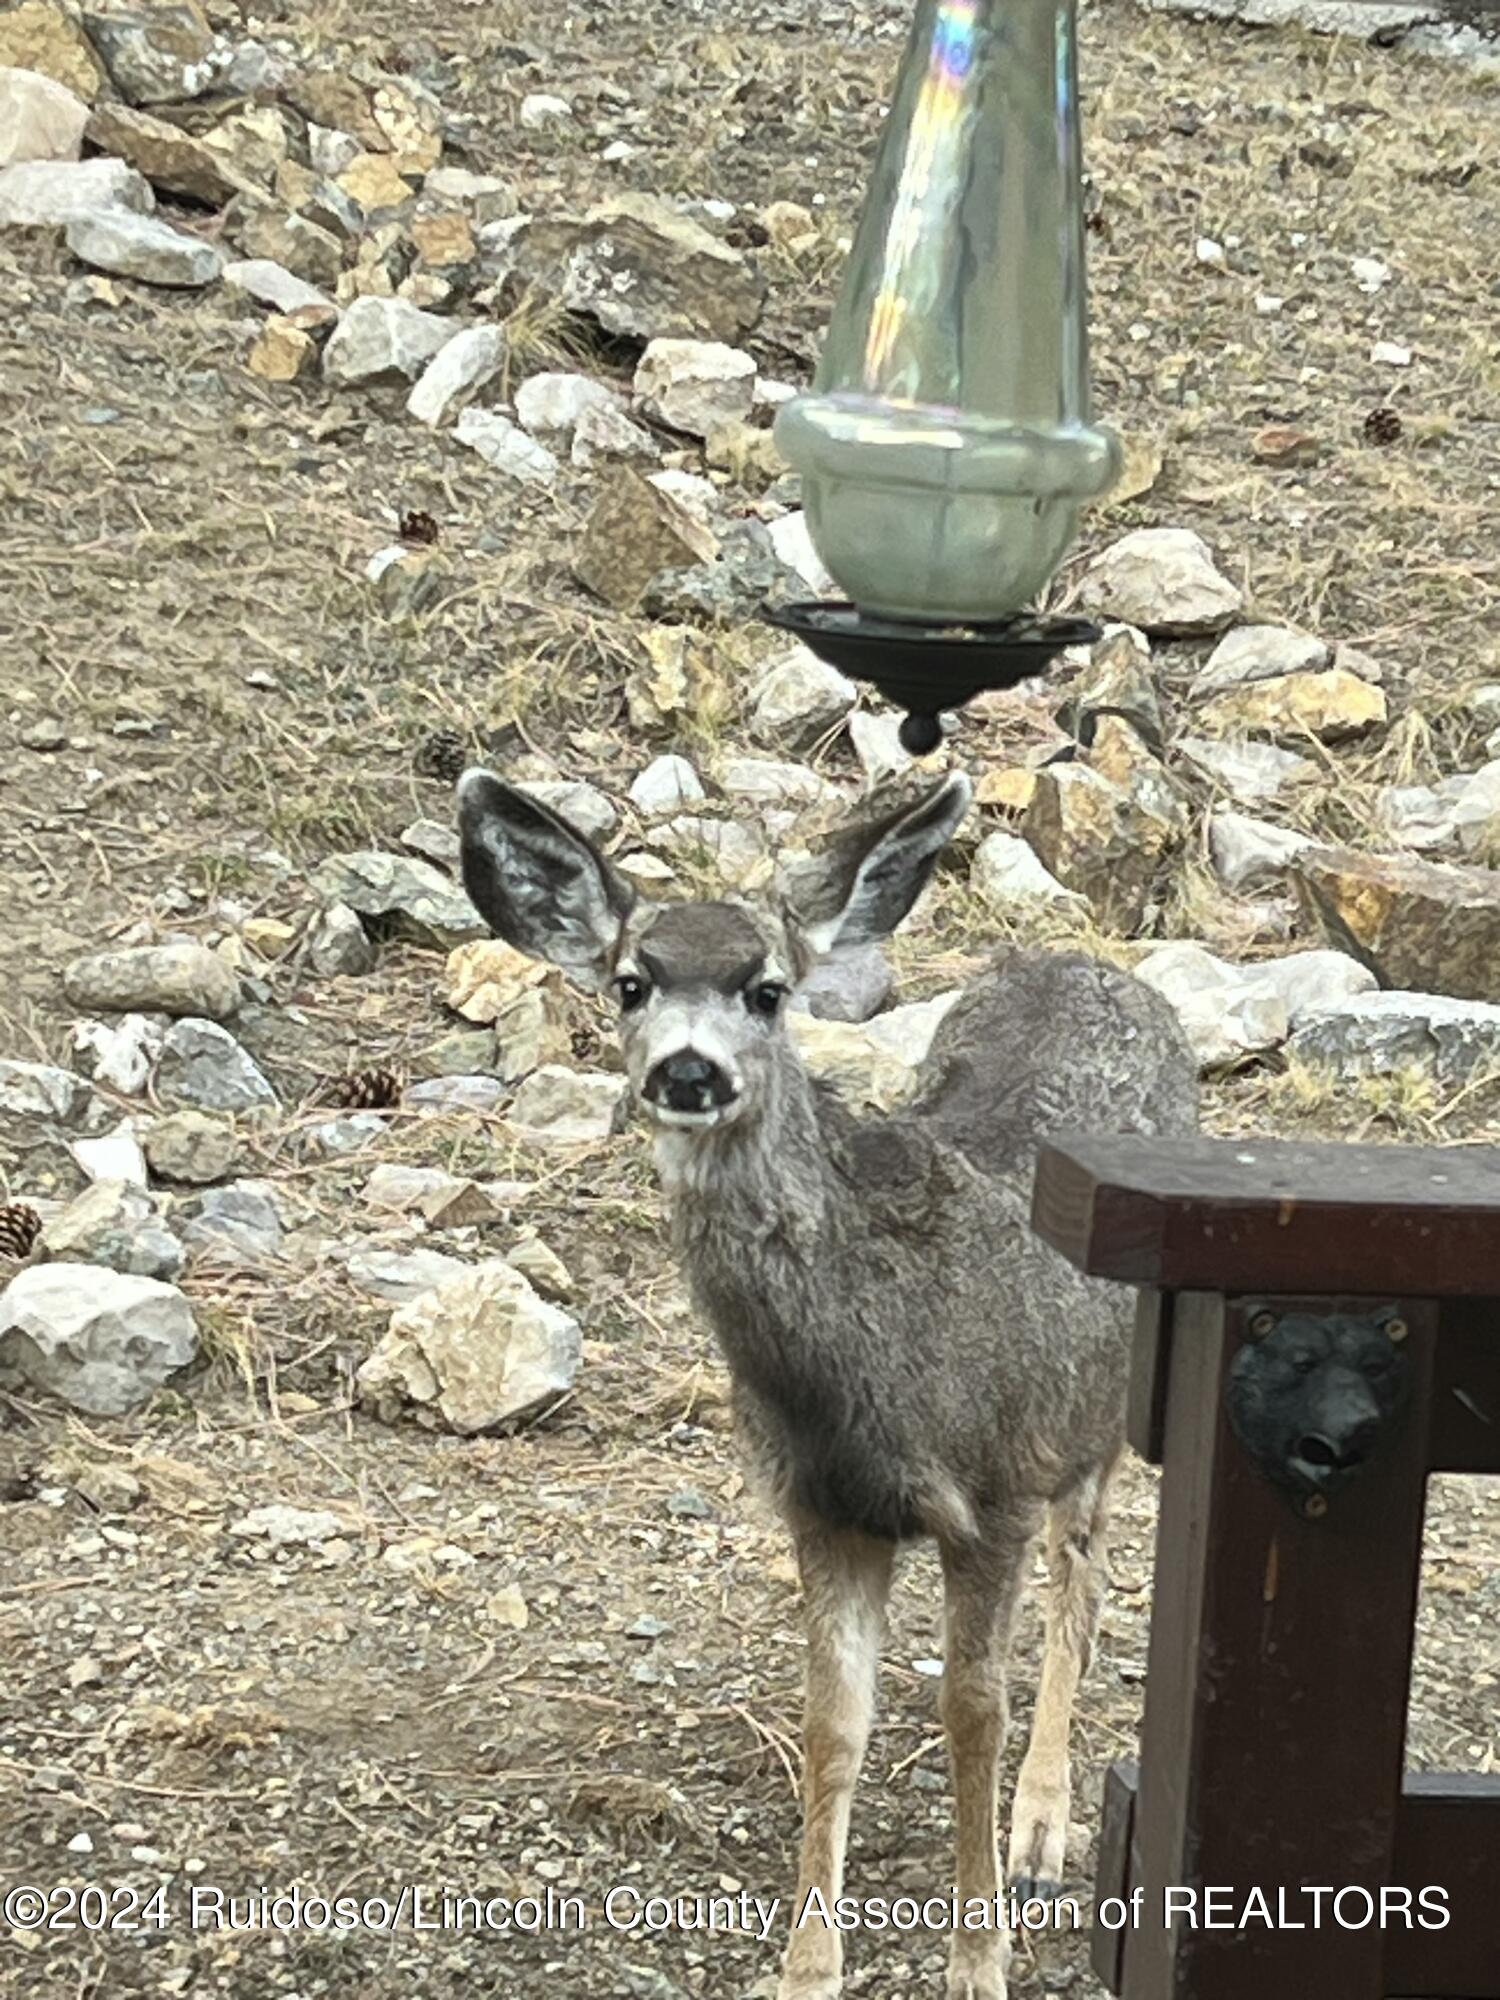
x=845, y=1581
x=981, y=1584
x=1077, y=1562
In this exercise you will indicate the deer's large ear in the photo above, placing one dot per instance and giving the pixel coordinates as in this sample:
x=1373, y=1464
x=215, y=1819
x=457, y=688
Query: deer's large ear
x=536, y=881
x=862, y=889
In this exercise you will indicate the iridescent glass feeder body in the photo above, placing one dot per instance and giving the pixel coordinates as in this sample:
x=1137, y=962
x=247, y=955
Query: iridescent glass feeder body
x=948, y=442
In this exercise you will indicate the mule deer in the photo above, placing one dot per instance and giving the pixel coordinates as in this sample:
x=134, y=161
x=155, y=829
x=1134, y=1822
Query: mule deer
x=908, y=1359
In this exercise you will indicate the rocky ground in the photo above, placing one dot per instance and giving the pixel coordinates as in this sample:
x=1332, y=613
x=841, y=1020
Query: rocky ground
x=335, y=454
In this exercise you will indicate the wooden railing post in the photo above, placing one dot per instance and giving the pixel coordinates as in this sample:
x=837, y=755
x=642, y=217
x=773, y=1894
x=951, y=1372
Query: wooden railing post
x=1276, y=1688
x=1271, y=1843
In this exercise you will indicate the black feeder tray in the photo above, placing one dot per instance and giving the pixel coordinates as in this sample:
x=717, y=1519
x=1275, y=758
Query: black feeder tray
x=927, y=669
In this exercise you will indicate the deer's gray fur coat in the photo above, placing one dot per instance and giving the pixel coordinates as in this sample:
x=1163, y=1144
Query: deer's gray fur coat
x=907, y=1356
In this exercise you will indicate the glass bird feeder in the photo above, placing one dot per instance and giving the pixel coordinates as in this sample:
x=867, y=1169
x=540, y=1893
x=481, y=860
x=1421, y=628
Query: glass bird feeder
x=948, y=442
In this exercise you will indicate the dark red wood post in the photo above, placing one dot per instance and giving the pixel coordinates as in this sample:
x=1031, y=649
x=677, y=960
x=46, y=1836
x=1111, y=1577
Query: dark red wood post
x=1271, y=1750
x=1268, y=1847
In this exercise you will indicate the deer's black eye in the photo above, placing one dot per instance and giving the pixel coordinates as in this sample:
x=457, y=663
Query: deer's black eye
x=632, y=991
x=765, y=997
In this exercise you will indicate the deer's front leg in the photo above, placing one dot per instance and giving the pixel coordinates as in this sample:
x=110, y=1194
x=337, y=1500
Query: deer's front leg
x=982, y=1582
x=845, y=1579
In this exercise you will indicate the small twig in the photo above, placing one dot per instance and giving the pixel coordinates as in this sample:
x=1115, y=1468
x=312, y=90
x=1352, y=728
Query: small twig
x=131, y=1784
x=773, y=1740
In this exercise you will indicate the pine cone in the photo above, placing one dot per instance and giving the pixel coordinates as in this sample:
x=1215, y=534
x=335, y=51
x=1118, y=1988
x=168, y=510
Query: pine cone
x=419, y=528
x=1382, y=425
x=20, y=1226
x=587, y=1046
x=375, y=1089
x=443, y=755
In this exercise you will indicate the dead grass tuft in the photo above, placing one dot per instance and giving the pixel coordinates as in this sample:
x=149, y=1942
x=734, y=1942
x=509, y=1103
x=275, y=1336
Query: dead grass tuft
x=218, y=1728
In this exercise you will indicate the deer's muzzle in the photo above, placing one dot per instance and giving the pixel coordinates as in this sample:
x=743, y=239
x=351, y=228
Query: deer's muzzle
x=688, y=1085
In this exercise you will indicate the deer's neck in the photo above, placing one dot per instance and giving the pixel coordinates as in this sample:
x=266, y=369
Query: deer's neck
x=772, y=1234
x=760, y=1181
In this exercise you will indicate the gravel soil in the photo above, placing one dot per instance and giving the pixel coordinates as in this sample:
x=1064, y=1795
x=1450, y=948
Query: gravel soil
x=569, y=1660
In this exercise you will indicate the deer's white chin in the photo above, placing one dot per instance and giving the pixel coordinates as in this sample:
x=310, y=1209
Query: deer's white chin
x=692, y=1121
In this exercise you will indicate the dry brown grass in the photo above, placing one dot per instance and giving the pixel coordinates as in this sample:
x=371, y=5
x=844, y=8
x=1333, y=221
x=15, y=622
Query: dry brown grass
x=176, y=532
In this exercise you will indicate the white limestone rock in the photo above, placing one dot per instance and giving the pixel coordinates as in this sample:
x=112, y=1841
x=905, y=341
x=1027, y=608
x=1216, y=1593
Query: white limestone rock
x=44, y=1091
x=483, y=1351
x=439, y=1096
x=399, y=1276
x=770, y=781
x=1226, y=1019
x=286, y=1527
x=237, y=1224
x=877, y=744
x=459, y=368
x=1380, y=1033
x=1260, y=653
x=581, y=804
x=1250, y=853
x=1368, y=20
x=118, y=1225
x=120, y=1053
x=139, y=246
x=567, y=1107
x=1309, y=982
x=174, y=979
x=40, y=119
x=116, y=1155
x=791, y=538
x=550, y=405
x=272, y=284
x=799, y=699
x=875, y=1062
x=506, y=446
x=384, y=340
x=48, y=194
x=1163, y=580
x=540, y=108
x=1462, y=809
x=203, y=1066
x=329, y=150
x=666, y=785
x=604, y=433
x=338, y=943
x=104, y=1341
x=695, y=385
x=485, y=197
x=851, y=985
x=1006, y=870
x=694, y=494
x=736, y=851
x=1232, y=1013
x=400, y=896
x=1254, y=773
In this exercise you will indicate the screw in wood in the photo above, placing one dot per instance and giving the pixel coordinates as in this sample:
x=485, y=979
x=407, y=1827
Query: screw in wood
x=1396, y=1329
x=1315, y=1506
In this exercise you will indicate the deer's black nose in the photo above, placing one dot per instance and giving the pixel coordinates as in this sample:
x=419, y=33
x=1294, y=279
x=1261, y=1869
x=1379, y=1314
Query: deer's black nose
x=688, y=1082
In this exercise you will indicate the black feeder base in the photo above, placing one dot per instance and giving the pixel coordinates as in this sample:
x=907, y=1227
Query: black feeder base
x=927, y=669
